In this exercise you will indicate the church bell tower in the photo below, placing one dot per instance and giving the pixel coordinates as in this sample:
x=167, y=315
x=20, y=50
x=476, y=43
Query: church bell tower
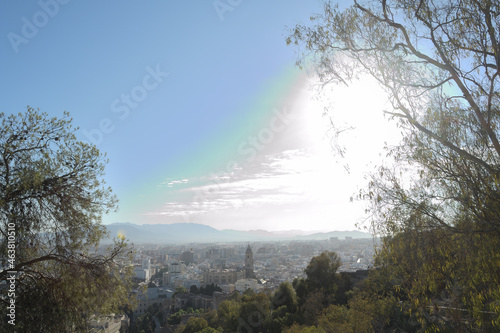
x=249, y=263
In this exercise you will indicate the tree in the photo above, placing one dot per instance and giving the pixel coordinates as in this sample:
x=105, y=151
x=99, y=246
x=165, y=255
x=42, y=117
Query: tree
x=195, y=324
x=144, y=324
x=320, y=286
x=285, y=296
x=284, y=306
x=253, y=312
x=335, y=319
x=209, y=289
x=315, y=301
x=296, y=328
x=228, y=314
x=180, y=290
x=52, y=197
x=321, y=271
x=211, y=317
x=209, y=330
x=193, y=289
x=439, y=65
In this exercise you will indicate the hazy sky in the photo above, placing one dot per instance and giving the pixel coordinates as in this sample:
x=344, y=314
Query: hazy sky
x=199, y=106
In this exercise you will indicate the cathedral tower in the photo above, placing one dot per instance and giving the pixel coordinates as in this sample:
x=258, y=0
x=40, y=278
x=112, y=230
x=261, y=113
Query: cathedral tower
x=249, y=263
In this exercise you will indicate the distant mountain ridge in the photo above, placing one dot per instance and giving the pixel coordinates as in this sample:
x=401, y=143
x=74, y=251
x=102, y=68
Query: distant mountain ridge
x=179, y=233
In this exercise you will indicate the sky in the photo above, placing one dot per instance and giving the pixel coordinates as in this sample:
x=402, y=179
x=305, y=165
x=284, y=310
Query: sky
x=200, y=108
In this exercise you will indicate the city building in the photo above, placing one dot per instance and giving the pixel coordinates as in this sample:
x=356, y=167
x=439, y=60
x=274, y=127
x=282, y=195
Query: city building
x=109, y=324
x=151, y=296
x=175, y=275
x=244, y=284
x=222, y=277
x=187, y=257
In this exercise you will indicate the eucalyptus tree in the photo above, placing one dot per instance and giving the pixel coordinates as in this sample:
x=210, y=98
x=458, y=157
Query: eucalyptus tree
x=52, y=197
x=438, y=62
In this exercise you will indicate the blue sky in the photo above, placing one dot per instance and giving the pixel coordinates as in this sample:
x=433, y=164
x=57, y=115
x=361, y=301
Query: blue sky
x=198, y=105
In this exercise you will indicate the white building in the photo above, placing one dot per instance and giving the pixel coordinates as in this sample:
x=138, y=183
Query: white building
x=244, y=284
x=141, y=273
x=109, y=324
x=151, y=296
x=175, y=275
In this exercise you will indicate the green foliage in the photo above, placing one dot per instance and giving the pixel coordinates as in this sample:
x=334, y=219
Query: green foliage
x=175, y=318
x=249, y=313
x=143, y=324
x=313, y=304
x=179, y=291
x=156, y=310
x=285, y=296
x=211, y=317
x=193, y=289
x=281, y=318
x=195, y=324
x=209, y=330
x=248, y=295
x=321, y=271
x=254, y=312
x=52, y=197
x=301, y=288
x=439, y=275
x=318, y=290
x=344, y=285
x=369, y=312
x=296, y=328
x=371, y=308
x=228, y=314
x=335, y=319
x=209, y=289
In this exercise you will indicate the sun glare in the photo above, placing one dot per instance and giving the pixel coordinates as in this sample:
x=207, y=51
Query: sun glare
x=356, y=114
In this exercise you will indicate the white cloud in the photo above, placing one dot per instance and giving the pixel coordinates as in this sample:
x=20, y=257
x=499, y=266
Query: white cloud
x=291, y=179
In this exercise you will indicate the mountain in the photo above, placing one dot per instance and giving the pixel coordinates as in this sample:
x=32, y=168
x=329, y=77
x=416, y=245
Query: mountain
x=339, y=234
x=178, y=233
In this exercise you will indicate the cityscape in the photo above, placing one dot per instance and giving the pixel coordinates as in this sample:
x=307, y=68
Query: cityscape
x=232, y=166
x=233, y=267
